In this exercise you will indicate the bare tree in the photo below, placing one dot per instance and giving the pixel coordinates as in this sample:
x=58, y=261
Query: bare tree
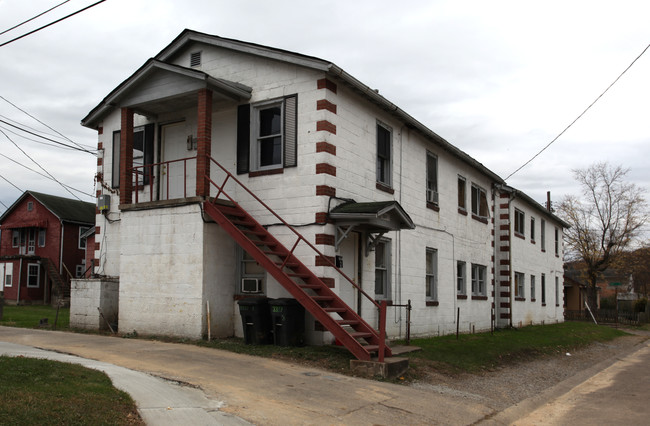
x=605, y=221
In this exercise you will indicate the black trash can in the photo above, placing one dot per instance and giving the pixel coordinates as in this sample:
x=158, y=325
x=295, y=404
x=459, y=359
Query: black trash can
x=256, y=321
x=288, y=322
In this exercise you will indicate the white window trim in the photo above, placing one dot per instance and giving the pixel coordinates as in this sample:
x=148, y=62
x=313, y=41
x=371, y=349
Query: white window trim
x=387, y=262
x=520, y=285
x=255, y=139
x=476, y=280
x=462, y=179
x=8, y=272
x=241, y=273
x=520, y=222
x=432, y=192
x=432, y=287
x=389, y=162
x=461, y=278
x=532, y=287
x=82, y=230
x=480, y=191
x=38, y=275
x=42, y=232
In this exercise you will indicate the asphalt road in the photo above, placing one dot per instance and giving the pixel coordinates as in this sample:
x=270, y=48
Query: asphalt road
x=184, y=384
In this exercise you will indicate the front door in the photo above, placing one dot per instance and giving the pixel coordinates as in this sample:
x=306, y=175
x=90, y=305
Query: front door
x=178, y=178
x=349, y=255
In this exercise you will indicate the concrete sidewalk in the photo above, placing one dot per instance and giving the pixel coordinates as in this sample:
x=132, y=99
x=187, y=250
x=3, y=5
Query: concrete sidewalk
x=235, y=387
x=159, y=401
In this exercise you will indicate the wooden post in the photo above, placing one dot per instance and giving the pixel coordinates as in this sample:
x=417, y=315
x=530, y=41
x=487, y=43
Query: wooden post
x=382, y=330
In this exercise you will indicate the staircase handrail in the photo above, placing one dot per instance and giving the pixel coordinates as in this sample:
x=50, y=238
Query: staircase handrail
x=229, y=175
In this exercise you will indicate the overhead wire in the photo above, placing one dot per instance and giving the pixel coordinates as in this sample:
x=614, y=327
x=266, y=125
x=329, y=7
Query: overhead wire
x=51, y=23
x=43, y=175
x=41, y=167
x=31, y=19
x=580, y=116
x=41, y=122
x=46, y=138
x=38, y=141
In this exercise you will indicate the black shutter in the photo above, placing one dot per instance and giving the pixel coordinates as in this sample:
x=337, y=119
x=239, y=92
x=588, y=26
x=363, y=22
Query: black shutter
x=148, y=151
x=243, y=138
x=115, y=170
x=291, y=131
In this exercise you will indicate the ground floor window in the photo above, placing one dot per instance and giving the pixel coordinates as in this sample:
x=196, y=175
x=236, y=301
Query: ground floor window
x=251, y=274
x=479, y=273
x=33, y=274
x=431, y=274
x=543, y=289
x=7, y=274
x=382, y=269
x=532, y=287
x=519, y=285
x=460, y=279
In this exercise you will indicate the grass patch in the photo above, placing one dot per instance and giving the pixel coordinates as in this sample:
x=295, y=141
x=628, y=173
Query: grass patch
x=36, y=391
x=485, y=351
x=29, y=316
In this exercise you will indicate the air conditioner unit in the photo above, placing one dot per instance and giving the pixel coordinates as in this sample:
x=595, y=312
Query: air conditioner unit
x=432, y=196
x=251, y=285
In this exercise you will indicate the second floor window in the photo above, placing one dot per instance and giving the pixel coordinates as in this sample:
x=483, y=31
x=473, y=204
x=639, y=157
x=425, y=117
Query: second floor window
x=479, y=202
x=432, y=179
x=519, y=222
x=461, y=193
x=384, y=142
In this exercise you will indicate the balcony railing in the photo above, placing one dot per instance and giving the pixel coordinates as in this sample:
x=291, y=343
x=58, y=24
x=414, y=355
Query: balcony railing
x=149, y=186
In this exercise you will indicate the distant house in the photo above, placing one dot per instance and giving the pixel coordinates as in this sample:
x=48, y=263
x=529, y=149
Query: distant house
x=230, y=171
x=41, y=247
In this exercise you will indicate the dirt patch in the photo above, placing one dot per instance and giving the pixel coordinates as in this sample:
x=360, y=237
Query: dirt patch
x=510, y=384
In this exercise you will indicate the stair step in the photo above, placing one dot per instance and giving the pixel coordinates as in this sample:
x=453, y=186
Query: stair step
x=331, y=310
x=276, y=253
x=347, y=322
x=313, y=286
x=360, y=334
x=371, y=348
x=322, y=298
x=231, y=211
x=246, y=223
x=264, y=243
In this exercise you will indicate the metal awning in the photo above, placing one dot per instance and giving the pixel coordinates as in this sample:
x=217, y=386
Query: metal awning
x=25, y=224
x=372, y=219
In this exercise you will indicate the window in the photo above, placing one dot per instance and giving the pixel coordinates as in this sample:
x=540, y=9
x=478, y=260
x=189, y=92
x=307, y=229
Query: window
x=41, y=237
x=460, y=279
x=519, y=285
x=519, y=222
x=542, y=234
x=384, y=142
x=478, y=280
x=479, y=202
x=532, y=288
x=33, y=272
x=382, y=269
x=461, y=193
x=543, y=289
x=15, y=238
x=557, y=291
x=532, y=229
x=82, y=241
x=432, y=179
x=266, y=135
x=31, y=242
x=79, y=271
x=431, y=274
x=143, y=138
x=557, y=242
x=251, y=274
x=30, y=206
x=8, y=274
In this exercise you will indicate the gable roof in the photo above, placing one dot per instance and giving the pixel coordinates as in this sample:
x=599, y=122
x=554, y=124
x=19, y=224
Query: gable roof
x=65, y=209
x=330, y=69
x=388, y=215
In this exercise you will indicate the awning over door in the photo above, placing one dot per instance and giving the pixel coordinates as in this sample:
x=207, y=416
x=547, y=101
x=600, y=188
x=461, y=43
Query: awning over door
x=371, y=219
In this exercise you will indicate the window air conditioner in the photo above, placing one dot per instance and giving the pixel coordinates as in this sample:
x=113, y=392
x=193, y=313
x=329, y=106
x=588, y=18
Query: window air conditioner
x=432, y=196
x=251, y=285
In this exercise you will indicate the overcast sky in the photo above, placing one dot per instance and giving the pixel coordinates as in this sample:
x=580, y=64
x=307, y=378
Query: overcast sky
x=498, y=79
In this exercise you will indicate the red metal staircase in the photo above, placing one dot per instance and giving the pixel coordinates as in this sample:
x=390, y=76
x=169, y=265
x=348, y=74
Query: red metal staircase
x=362, y=340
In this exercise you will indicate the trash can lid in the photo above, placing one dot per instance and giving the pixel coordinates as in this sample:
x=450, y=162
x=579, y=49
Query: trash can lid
x=252, y=301
x=283, y=301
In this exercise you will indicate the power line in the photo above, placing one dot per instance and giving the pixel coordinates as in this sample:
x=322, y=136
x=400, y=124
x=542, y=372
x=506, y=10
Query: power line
x=43, y=175
x=41, y=167
x=10, y=183
x=37, y=16
x=51, y=23
x=44, y=124
x=47, y=139
x=35, y=140
x=580, y=116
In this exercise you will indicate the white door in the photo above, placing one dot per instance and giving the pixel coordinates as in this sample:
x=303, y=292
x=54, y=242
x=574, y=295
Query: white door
x=178, y=178
x=349, y=252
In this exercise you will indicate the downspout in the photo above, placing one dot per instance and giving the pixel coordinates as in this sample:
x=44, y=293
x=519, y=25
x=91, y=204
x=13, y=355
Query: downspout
x=61, y=251
x=20, y=277
x=398, y=312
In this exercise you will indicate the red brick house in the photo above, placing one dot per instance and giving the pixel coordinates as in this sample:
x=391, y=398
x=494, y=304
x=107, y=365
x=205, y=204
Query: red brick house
x=41, y=246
